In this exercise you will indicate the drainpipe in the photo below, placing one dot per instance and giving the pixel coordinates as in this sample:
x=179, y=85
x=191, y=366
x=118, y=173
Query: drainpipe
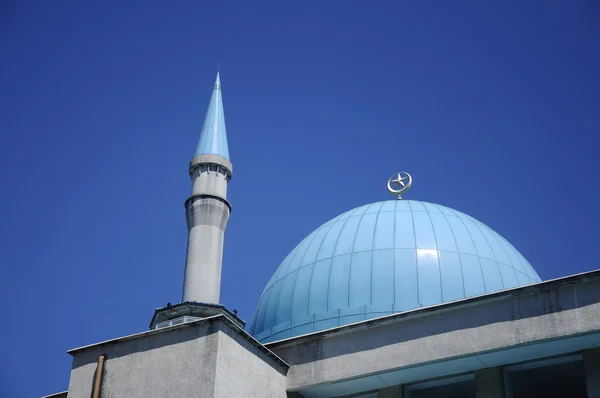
x=98, y=378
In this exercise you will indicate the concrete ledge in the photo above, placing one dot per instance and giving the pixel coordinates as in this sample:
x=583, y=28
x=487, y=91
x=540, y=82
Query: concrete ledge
x=217, y=320
x=205, y=196
x=463, y=303
x=193, y=308
x=482, y=331
x=210, y=158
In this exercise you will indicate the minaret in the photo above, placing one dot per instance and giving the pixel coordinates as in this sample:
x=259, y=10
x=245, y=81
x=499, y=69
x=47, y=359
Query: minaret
x=207, y=209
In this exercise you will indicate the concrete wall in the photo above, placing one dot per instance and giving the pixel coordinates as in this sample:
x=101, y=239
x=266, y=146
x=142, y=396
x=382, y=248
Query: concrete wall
x=207, y=358
x=179, y=363
x=498, y=321
x=243, y=371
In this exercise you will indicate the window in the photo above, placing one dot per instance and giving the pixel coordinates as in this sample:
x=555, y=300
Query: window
x=556, y=377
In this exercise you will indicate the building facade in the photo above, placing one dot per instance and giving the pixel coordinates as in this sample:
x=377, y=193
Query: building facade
x=398, y=298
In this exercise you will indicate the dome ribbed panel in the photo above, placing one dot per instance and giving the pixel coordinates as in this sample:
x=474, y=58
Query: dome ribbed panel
x=383, y=258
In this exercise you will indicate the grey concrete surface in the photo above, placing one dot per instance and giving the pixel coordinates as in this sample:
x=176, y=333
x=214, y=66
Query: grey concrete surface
x=490, y=383
x=209, y=183
x=207, y=358
x=497, y=321
x=180, y=363
x=206, y=220
x=242, y=371
x=591, y=360
x=210, y=158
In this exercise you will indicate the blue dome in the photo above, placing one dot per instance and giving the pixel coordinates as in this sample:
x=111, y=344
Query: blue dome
x=384, y=258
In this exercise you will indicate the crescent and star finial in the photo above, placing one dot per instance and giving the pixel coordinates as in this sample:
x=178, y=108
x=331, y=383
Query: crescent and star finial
x=399, y=183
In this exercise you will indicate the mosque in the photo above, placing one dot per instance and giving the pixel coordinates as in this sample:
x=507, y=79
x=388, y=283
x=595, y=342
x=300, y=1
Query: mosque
x=399, y=298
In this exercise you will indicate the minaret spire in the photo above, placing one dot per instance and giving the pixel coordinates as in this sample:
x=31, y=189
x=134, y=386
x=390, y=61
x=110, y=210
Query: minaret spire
x=207, y=209
x=213, y=138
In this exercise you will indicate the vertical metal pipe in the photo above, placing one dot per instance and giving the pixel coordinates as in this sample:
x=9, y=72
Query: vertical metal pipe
x=98, y=378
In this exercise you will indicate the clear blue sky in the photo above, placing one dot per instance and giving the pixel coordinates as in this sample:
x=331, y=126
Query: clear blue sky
x=493, y=106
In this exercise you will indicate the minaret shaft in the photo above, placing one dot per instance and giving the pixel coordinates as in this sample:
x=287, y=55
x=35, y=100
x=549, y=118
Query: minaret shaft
x=206, y=218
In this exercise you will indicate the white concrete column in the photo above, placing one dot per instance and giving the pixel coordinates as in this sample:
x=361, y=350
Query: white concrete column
x=490, y=383
x=207, y=213
x=207, y=219
x=591, y=360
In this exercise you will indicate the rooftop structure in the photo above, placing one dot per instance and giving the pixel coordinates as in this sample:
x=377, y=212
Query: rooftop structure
x=392, y=299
